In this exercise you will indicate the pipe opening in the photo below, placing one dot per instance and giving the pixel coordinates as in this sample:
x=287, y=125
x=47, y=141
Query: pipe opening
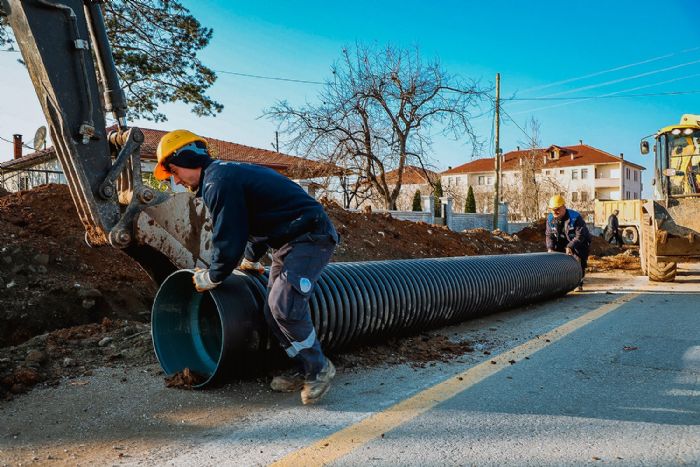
x=189, y=328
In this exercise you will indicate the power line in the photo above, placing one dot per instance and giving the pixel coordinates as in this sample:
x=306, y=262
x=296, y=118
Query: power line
x=23, y=144
x=274, y=78
x=606, y=96
x=610, y=70
x=619, y=80
x=532, y=140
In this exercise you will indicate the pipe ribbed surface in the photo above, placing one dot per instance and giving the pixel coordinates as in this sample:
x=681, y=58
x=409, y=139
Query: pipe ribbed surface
x=352, y=302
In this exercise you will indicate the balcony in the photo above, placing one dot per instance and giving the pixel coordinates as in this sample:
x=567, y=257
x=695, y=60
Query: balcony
x=607, y=183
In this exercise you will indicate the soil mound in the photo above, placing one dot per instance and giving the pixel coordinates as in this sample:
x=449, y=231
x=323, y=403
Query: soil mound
x=378, y=236
x=51, y=279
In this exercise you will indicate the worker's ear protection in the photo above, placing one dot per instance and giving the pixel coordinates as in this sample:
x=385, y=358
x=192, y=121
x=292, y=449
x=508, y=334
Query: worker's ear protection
x=190, y=156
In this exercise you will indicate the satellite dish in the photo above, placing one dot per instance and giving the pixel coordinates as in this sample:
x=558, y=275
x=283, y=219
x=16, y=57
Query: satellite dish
x=40, y=138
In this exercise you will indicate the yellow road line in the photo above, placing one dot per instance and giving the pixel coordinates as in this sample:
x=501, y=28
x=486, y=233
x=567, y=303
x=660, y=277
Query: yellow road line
x=348, y=439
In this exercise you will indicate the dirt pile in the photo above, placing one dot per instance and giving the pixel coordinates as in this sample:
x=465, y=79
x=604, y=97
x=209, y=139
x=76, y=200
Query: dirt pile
x=73, y=352
x=627, y=261
x=417, y=351
x=378, y=236
x=51, y=279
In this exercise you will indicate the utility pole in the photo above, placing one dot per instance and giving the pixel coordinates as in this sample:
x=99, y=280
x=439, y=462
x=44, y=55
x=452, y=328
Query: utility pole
x=497, y=159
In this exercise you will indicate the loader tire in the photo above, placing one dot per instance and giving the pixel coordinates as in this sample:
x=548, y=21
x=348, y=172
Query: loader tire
x=657, y=271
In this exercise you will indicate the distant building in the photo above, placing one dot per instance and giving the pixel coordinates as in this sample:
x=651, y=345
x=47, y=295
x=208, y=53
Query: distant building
x=581, y=173
x=413, y=179
x=26, y=172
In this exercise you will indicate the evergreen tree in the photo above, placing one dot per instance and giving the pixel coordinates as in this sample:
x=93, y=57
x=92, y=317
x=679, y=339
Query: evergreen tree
x=437, y=193
x=416, y=201
x=470, y=203
x=156, y=46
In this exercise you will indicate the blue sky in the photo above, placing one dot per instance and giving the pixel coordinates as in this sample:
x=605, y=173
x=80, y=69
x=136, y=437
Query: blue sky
x=651, y=48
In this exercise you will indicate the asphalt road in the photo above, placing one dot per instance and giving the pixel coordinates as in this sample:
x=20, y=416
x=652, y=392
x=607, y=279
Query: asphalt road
x=610, y=375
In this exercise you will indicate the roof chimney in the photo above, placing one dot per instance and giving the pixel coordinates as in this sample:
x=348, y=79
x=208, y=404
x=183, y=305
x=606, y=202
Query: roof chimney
x=518, y=148
x=622, y=155
x=18, y=145
x=580, y=142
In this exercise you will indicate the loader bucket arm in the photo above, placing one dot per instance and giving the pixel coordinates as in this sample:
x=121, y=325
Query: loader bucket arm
x=65, y=47
x=55, y=44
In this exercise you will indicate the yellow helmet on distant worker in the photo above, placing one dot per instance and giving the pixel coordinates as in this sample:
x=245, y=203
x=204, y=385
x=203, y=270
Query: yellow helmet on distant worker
x=169, y=143
x=556, y=201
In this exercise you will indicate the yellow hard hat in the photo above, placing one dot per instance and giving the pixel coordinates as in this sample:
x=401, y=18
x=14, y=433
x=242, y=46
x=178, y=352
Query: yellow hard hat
x=169, y=143
x=556, y=201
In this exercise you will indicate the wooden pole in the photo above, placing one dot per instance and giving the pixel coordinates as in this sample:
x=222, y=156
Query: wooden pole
x=497, y=159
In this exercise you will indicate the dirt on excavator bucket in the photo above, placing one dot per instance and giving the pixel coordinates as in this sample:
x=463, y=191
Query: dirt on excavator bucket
x=678, y=227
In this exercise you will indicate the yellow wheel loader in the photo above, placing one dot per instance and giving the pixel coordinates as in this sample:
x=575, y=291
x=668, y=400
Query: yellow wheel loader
x=670, y=227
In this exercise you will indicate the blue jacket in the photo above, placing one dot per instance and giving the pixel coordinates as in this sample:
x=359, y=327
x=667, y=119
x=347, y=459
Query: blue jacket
x=254, y=208
x=575, y=234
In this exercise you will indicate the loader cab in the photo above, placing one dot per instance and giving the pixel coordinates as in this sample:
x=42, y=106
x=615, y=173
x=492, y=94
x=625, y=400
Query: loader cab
x=676, y=161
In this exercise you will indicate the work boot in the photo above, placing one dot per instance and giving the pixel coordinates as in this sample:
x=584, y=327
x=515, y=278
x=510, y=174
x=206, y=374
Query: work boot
x=289, y=382
x=316, y=387
x=580, y=286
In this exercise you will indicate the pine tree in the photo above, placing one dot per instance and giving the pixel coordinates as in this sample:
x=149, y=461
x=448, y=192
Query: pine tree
x=470, y=203
x=437, y=193
x=416, y=201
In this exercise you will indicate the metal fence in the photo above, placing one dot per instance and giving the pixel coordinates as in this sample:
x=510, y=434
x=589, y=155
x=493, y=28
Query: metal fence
x=26, y=179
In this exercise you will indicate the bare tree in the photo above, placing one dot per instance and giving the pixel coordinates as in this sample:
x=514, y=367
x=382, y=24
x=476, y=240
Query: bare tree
x=379, y=113
x=531, y=187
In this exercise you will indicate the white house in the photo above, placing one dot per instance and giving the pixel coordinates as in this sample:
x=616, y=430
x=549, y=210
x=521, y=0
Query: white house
x=581, y=173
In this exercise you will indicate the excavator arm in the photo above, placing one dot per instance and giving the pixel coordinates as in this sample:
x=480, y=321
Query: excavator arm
x=69, y=59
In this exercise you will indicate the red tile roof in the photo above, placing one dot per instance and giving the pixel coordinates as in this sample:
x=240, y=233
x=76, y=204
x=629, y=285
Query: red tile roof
x=29, y=160
x=413, y=175
x=292, y=166
x=582, y=155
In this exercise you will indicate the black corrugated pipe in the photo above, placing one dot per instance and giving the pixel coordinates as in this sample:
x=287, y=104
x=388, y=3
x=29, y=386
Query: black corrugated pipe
x=211, y=333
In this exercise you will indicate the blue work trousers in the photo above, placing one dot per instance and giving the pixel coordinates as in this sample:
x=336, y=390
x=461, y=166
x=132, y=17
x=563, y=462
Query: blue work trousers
x=295, y=269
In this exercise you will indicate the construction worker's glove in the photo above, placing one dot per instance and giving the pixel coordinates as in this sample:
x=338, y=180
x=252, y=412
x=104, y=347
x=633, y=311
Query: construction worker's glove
x=252, y=266
x=569, y=252
x=550, y=251
x=202, y=281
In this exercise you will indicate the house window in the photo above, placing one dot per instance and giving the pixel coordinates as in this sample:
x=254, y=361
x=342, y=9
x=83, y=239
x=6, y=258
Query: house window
x=561, y=171
x=574, y=174
x=547, y=172
x=574, y=196
x=627, y=174
x=449, y=181
x=627, y=195
x=482, y=180
x=457, y=181
x=489, y=180
x=584, y=174
x=636, y=196
x=584, y=196
x=23, y=183
x=636, y=176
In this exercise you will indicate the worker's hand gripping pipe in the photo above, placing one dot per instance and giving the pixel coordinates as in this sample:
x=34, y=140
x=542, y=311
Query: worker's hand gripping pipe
x=211, y=333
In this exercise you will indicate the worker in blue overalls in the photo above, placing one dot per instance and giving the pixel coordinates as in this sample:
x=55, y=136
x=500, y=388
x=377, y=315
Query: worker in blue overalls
x=566, y=232
x=255, y=209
